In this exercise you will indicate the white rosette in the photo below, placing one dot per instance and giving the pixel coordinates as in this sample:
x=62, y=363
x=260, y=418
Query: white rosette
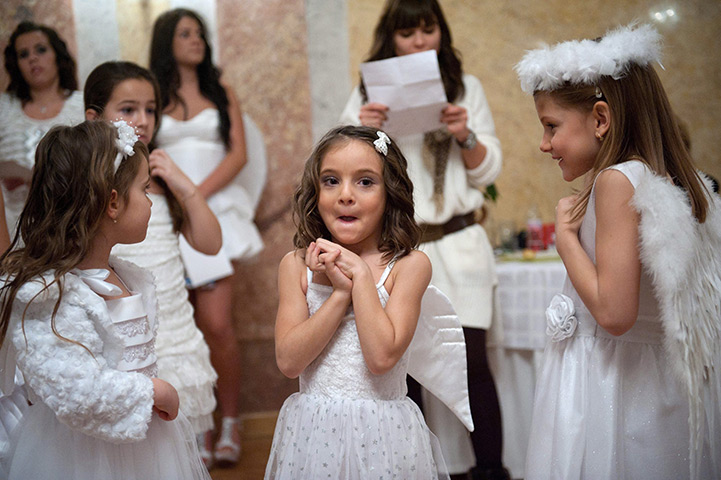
x=125, y=142
x=561, y=320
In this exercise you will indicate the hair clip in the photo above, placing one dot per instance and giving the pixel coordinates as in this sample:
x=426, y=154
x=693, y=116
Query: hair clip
x=382, y=143
x=125, y=141
x=599, y=93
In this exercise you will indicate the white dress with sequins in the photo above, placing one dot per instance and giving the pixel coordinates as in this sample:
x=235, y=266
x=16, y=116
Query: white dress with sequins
x=92, y=414
x=346, y=422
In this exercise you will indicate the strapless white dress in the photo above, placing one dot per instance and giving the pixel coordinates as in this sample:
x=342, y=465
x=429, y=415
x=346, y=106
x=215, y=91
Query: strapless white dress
x=196, y=147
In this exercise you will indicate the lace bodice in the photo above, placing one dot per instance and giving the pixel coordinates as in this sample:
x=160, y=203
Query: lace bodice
x=340, y=370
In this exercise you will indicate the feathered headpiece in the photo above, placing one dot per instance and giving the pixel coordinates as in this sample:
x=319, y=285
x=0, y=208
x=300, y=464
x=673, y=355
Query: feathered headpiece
x=584, y=62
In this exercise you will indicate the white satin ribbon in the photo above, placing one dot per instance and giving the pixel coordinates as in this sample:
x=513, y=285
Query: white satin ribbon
x=95, y=279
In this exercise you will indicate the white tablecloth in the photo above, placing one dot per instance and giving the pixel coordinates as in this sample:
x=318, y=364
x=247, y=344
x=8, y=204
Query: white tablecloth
x=515, y=345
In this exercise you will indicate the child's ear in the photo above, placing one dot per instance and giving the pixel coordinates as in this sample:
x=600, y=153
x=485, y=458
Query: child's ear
x=91, y=114
x=113, y=209
x=602, y=116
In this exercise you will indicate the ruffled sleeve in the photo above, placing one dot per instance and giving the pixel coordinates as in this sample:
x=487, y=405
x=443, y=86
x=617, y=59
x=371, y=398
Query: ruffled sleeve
x=71, y=375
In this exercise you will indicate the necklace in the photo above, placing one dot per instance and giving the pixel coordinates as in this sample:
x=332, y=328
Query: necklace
x=43, y=108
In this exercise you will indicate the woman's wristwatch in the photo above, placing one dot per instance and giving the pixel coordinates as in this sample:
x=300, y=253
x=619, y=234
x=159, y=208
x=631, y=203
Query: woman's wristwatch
x=470, y=142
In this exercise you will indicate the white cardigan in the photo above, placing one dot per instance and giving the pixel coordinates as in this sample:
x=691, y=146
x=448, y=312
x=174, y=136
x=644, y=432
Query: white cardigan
x=79, y=381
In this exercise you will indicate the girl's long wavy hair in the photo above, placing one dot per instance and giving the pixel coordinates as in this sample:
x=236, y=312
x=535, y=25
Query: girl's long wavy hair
x=165, y=68
x=71, y=186
x=643, y=127
x=99, y=87
x=402, y=14
x=66, y=64
x=400, y=233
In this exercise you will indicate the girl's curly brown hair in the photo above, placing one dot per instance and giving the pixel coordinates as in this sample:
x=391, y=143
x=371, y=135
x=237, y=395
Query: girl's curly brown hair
x=400, y=233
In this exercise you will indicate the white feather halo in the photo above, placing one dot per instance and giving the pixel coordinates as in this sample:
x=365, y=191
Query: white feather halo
x=584, y=62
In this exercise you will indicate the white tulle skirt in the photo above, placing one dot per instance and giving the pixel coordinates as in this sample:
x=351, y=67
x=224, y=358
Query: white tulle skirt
x=44, y=448
x=341, y=438
x=610, y=408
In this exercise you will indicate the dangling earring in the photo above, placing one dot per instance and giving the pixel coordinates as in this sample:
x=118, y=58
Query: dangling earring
x=599, y=137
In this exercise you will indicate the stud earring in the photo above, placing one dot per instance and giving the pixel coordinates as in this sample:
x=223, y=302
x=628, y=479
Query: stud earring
x=599, y=137
x=115, y=220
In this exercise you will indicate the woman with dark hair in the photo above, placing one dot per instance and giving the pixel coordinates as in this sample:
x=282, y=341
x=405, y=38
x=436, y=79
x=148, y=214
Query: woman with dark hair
x=42, y=93
x=202, y=130
x=449, y=168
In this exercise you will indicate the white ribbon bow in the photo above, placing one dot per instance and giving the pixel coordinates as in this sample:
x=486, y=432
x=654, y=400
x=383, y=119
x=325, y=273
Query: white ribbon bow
x=95, y=279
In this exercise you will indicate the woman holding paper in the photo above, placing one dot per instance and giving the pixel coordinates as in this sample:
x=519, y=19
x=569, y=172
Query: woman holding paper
x=42, y=93
x=449, y=167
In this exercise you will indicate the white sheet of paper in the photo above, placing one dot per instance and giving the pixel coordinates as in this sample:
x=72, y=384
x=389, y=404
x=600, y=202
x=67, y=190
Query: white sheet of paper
x=201, y=269
x=411, y=87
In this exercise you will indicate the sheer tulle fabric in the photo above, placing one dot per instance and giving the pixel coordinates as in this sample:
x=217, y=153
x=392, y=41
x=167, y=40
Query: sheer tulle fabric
x=589, y=421
x=61, y=452
x=353, y=439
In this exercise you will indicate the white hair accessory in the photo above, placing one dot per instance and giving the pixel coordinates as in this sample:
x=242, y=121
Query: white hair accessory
x=125, y=141
x=382, y=143
x=584, y=62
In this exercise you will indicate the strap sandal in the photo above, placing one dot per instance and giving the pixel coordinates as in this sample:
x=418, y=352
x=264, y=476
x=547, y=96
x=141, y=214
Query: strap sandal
x=227, y=450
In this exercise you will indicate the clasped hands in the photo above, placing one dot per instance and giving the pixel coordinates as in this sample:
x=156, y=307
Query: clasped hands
x=339, y=264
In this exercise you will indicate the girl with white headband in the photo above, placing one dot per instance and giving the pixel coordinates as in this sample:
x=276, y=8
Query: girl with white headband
x=628, y=387
x=80, y=323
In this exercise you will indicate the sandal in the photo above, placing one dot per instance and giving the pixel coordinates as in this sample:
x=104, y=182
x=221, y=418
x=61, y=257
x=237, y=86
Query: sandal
x=205, y=445
x=227, y=450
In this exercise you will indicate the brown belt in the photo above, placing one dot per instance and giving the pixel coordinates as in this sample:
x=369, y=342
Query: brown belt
x=431, y=233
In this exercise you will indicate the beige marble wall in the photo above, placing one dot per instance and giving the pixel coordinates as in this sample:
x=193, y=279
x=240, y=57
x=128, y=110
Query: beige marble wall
x=493, y=35
x=263, y=56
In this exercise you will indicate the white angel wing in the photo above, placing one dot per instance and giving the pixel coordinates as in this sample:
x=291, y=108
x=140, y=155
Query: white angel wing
x=438, y=354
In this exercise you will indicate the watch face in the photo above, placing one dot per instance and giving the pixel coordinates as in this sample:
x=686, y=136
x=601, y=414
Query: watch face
x=470, y=141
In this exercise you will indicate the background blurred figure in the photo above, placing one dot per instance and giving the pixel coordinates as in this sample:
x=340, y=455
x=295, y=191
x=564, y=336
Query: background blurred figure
x=42, y=93
x=202, y=130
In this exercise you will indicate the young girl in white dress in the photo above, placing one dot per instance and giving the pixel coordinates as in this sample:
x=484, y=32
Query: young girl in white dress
x=629, y=385
x=82, y=324
x=350, y=298
x=203, y=132
x=126, y=91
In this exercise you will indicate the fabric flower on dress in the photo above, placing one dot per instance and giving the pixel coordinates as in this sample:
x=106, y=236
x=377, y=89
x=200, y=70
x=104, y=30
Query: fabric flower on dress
x=125, y=141
x=561, y=321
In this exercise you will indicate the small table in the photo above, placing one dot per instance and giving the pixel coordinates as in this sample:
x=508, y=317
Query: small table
x=516, y=342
